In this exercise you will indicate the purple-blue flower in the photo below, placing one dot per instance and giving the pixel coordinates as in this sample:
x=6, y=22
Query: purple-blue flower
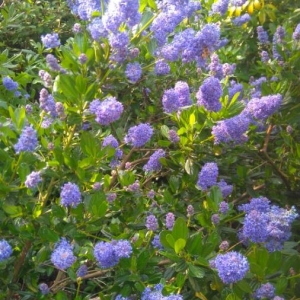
x=170, y=220
x=225, y=188
x=296, y=33
x=182, y=90
x=232, y=266
x=53, y=64
x=207, y=177
x=240, y=20
x=108, y=254
x=161, y=67
x=9, y=84
x=223, y=207
x=27, y=141
x=5, y=250
x=209, y=94
x=70, y=195
x=50, y=40
x=264, y=107
x=108, y=111
x=173, y=136
x=266, y=290
x=170, y=101
x=262, y=35
x=151, y=223
x=139, y=135
x=62, y=257
x=156, y=242
x=231, y=130
x=33, y=179
x=96, y=29
x=220, y=7
x=47, y=103
x=215, y=219
x=82, y=271
x=44, y=288
x=153, y=163
x=133, y=72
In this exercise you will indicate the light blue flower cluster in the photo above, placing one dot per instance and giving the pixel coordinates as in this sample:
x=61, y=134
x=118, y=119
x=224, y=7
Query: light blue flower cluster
x=231, y=130
x=82, y=271
x=156, y=294
x=139, y=135
x=209, y=94
x=262, y=35
x=296, y=33
x=5, y=250
x=156, y=242
x=108, y=254
x=9, y=84
x=266, y=290
x=162, y=67
x=151, y=223
x=264, y=107
x=220, y=7
x=208, y=175
x=176, y=98
x=70, y=195
x=47, y=103
x=267, y=224
x=50, y=40
x=27, y=141
x=170, y=220
x=153, y=163
x=225, y=188
x=133, y=72
x=62, y=257
x=192, y=46
x=53, y=64
x=33, y=179
x=112, y=142
x=231, y=266
x=97, y=29
x=108, y=111
x=242, y=19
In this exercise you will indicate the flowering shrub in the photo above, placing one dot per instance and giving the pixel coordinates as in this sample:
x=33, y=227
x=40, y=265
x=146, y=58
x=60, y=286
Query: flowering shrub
x=144, y=155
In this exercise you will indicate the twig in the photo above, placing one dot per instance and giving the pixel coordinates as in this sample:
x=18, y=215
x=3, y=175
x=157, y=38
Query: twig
x=269, y=160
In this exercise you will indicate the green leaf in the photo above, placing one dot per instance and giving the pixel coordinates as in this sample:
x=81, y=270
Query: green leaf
x=192, y=119
x=48, y=235
x=163, y=239
x=180, y=230
x=89, y=144
x=244, y=286
x=195, y=271
x=232, y=297
x=170, y=240
x=179, y=245
x=61, y=296
x=194, y=244
x=97, y=205
x=13, y=210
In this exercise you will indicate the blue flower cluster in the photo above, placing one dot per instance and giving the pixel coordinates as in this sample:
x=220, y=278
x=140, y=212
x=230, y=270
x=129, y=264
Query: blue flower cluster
x=62, y=257
x=156, y=294
x=162, y=67
x=153, y=163
x=139, y=135
x=70, y=195
x=296, y=33
x=47, y=103
x=156, y=242
x=33, y=179
x=262, y=35
x=209, y=94
x=9, y=84
x=133, y=72
x=208, y=175
x=44, y=288
x=225, y=188
x=5, y=250
x=223, y=207
x=242, y=19
x=112, y=142
x=82, y=271
x=231, y=266
x=192, y=46
x=173, y=136
x=53, y=64
x=108, y=254
x=170, y=16
x=151, y=223
x=50, y=40
x=220, y=7
x=231, y=130
x=97, y=29
x=174, y=99
x=27, y=141
x=267, y=224
x=264, y=107
x=266, y=290
x=108, y=111
x=170, y=220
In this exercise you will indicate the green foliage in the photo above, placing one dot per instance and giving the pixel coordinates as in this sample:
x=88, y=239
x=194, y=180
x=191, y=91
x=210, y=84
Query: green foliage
x=70, y=149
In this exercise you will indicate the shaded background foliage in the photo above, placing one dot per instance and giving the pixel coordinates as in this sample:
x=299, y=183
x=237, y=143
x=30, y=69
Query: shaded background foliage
x=34, y=221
